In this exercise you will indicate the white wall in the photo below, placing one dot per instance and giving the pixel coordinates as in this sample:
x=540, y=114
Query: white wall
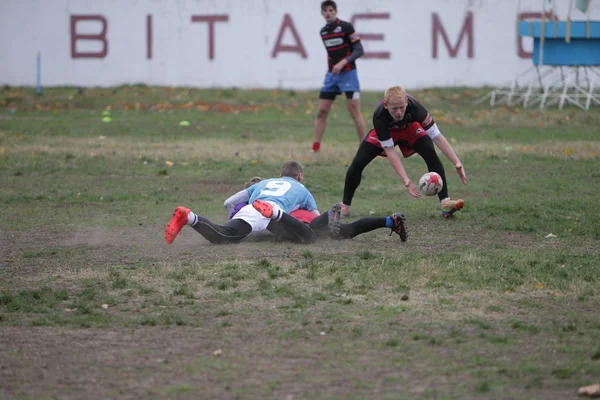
x=243, y=45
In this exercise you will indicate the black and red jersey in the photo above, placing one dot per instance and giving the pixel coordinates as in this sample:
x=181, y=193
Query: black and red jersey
x=339, y=38
x=384, y=123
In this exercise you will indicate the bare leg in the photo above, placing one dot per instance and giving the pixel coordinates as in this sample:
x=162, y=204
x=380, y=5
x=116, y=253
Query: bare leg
x=321, y=122
x=353, y=106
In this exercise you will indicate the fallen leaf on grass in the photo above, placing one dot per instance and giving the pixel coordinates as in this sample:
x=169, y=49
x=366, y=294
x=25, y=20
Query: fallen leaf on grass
x=550, y=235
x=591, y=390
x=169, y=163
x=539, y=285
x=217, y=352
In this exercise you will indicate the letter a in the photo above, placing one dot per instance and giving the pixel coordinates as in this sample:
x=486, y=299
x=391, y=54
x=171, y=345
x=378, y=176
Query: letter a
x=279, y=48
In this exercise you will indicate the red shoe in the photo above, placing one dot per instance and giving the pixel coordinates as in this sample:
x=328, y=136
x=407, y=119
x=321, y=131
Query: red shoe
x=266, y=209
x=450, y=206
x=178, y=220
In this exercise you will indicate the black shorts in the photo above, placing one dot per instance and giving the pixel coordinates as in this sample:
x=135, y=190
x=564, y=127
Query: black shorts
x=333, y=95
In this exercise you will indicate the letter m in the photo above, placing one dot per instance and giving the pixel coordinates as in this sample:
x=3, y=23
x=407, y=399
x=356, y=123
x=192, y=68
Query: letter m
x=467, y=30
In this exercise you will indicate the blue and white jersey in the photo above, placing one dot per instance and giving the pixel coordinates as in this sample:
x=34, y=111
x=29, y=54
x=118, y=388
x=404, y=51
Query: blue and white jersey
x=286, y=192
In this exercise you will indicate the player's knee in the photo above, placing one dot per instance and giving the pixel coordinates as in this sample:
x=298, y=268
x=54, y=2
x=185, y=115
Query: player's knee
x=322, y=113
x=428, y=151
x=354, y=108
x=355, y=170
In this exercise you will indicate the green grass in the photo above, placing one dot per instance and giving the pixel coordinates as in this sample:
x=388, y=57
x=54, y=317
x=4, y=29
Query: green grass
x=486, y=305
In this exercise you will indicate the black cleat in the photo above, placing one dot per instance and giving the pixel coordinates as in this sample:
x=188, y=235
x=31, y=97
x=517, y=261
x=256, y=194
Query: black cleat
x=333, y=220
x=399, y=227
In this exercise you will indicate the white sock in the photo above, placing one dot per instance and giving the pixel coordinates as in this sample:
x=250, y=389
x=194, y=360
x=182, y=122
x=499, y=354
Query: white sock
x=192, y=219
x=277, y=212
x=447, y=198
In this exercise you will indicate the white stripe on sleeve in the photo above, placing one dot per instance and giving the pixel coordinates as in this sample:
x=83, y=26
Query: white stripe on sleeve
x=433, y=132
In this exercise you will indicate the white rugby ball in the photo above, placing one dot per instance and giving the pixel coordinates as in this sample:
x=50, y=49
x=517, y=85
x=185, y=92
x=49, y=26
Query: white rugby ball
x=430, y=184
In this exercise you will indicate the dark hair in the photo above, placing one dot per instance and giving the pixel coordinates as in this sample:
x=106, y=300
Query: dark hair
x=328, y=3
x=291, y=168
x=252, y=181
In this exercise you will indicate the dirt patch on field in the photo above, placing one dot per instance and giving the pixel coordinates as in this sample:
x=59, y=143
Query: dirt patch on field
x=251, y=349
x=247, y=361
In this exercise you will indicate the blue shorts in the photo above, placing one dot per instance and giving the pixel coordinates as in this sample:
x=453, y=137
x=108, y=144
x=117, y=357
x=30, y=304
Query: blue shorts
x=346, y=81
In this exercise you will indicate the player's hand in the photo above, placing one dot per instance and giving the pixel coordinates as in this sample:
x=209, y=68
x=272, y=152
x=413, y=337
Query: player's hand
x=337, y=68
x=412, y=190
x=460, y=170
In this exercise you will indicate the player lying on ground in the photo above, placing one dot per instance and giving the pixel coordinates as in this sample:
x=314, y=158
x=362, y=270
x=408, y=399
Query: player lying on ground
x=286, y=192
x=400, y=120
x=331, y=226
x=244, y=219
x=322, y=226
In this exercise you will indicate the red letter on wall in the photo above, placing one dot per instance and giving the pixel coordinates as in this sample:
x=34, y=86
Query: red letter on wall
x=372, y=36
x=210, y=19
x=279, y=48
x=86, y=36
x=149, y=36
x=527, y=16
x=467, y=30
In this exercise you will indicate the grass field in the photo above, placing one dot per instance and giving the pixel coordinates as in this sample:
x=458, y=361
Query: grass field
x=500, y=302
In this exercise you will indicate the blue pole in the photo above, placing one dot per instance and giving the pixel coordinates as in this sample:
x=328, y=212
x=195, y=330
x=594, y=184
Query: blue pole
x=38, y=87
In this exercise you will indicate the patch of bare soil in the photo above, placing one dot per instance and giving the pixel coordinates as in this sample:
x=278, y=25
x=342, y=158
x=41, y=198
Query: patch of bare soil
x=35, y=254
x=250, y=359
x=253, y=358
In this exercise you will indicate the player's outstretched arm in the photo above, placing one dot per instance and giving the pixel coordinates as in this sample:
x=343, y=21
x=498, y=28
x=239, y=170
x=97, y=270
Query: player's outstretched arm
x=240, y=197
x=447, y=149
x=391, y=154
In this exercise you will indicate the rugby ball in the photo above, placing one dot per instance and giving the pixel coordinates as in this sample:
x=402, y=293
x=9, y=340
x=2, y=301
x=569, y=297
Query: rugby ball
x=430, y=184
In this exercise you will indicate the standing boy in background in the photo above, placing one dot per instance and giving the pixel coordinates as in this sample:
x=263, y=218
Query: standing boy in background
x=343, y=48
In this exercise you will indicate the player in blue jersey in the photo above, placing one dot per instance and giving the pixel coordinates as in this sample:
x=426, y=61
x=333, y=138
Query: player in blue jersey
x=286, y=227
x=287, y=193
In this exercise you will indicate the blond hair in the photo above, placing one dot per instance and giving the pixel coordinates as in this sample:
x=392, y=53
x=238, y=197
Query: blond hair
x=394, y=92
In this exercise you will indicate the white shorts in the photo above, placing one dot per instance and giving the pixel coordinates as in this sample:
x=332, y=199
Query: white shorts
x=253, y=217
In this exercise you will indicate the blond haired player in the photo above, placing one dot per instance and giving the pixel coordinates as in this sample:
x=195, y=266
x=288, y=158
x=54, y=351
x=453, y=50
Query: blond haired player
x=400, y=120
